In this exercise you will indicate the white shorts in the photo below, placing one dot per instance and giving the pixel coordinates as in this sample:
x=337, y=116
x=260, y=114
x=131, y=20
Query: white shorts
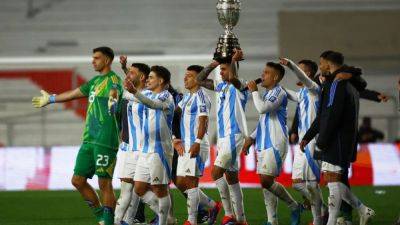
x=193, y=167
x=305, y=167
x=228, y=152
x=127, y=160
x=328, y=167
x=151, y=169
x=270, y=161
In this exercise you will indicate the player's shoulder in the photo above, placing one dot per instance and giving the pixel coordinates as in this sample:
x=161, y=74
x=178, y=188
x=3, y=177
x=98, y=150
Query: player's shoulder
x=115, y=79
x=202, y=96
x=165, y=95
x=220, y=85
x=278, y=91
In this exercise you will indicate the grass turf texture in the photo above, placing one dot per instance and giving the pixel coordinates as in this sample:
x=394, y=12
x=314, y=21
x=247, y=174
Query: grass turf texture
x=67, y=207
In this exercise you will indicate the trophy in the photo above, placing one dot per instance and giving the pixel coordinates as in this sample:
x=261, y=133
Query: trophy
x=228, y=15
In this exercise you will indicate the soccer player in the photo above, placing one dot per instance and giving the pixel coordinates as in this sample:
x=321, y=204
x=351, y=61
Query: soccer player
x=97, y=154
x=306, y=170
x=232, y=129
x=132, y=120
x=154, y=163
x=194, y=146
x=271, y=141
x=336, y=124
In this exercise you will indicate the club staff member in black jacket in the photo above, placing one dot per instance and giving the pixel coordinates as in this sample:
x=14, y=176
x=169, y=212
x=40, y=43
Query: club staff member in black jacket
x=336, y=124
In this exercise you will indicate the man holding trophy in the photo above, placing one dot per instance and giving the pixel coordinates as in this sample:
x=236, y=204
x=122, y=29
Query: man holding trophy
x=231, y=120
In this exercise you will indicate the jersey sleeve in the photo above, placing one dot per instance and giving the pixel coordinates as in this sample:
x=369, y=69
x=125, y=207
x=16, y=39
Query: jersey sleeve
x=271, y=103
x=85, y=88
x=203, y=108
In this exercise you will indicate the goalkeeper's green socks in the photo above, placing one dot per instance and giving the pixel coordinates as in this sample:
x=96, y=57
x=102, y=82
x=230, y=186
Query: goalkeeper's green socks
x=97, y=211
x=108, y=215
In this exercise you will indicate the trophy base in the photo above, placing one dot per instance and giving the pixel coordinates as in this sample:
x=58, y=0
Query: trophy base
x=225, y=46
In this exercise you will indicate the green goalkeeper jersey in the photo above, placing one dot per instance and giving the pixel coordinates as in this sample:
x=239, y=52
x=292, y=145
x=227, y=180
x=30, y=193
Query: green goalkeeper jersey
x=102, y=126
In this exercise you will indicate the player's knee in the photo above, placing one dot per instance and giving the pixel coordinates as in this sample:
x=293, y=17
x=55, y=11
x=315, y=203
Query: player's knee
x=232, y=178
x=216, y=173
x=332, y=177
x=267, y=182
x=78, y=182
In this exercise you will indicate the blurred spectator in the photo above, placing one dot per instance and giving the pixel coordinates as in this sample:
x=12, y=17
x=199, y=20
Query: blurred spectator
x=367, y=134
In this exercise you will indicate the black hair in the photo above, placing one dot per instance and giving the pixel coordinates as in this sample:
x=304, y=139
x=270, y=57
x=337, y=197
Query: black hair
x=312, y=66
x=333, y=57
x=325, y=53
x=107, y=51
x=143, y=68
x=278, y=67
x=162, y=72
x=195, y=68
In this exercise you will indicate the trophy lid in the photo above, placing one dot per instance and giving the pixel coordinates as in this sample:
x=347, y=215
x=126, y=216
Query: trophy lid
x=228, y=13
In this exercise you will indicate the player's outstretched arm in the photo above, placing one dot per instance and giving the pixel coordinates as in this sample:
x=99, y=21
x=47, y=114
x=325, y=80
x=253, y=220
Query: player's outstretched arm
x=310, y=84
x=292, y=95
x=46, y=98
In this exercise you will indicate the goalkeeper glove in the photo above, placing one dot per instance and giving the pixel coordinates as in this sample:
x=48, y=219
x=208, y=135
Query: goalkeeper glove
x=112, y=105
x=43, y=100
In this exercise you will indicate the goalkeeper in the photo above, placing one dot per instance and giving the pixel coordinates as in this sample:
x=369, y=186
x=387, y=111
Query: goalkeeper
x=97, y=154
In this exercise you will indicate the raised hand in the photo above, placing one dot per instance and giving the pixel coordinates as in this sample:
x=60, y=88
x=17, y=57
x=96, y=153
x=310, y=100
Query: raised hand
x=284, y=61
x=238, y=55
x=41, y=101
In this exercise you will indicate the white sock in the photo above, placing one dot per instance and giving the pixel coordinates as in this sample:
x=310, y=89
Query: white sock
x=316, y=201
x=171, y=209
x=206, y=201
x=334, y=202
x=164, y=205
x=350, y=198
x=223, y=189
x=151, y=199
x=280, y=191
x=132, y=209
x=302, y=188
x=123, y=201
x=237, y=201
x=271, y=205
x=193, y=200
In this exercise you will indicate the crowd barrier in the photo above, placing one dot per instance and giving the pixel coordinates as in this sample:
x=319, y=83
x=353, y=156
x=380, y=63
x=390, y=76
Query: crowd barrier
x=38, y=168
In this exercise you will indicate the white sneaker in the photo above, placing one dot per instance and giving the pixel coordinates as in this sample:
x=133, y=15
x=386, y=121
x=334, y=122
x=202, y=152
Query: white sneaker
x=101, y=223
x=365, y=215
x=172, y=221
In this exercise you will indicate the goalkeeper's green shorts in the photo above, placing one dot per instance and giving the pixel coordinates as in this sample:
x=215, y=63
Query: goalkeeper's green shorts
x=94, y=159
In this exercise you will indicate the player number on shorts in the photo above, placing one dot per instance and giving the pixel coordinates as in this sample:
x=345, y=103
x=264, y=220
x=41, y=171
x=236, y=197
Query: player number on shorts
x=102, y=160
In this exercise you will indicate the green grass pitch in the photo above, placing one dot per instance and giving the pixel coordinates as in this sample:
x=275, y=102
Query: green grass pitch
x=67, y=207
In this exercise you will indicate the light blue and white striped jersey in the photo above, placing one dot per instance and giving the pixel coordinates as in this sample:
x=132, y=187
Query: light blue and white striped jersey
x=135, y=113
x=157, y=124
x=193, y=106
x=271, y=130
x=231, y=102
x=308, y=102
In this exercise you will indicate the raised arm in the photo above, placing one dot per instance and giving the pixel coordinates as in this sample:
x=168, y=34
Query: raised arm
x=123, y=60
x=233, y=76
x=310, y=84
x=152, y=103
x=202, y=77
